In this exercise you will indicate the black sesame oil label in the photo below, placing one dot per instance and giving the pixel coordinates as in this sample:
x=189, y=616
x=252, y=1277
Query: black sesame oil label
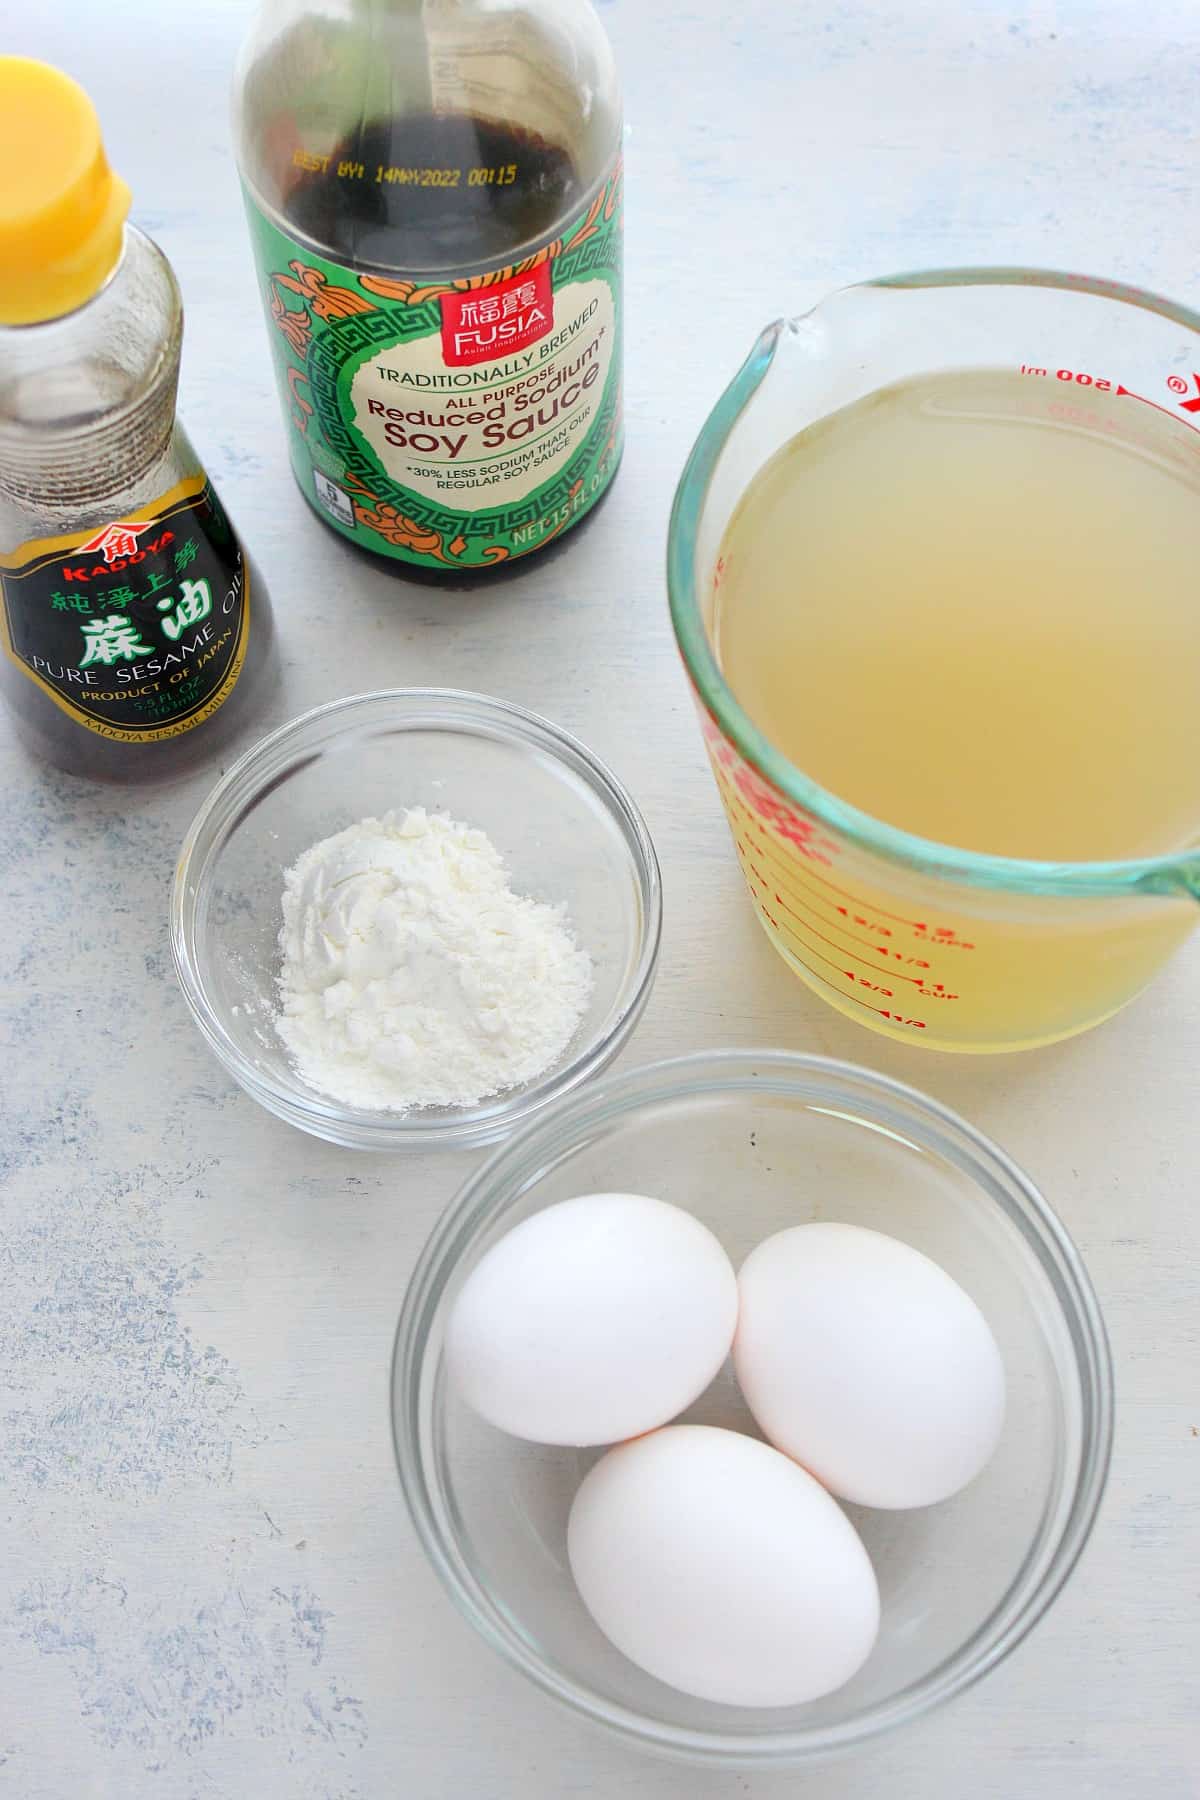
x=137, y=630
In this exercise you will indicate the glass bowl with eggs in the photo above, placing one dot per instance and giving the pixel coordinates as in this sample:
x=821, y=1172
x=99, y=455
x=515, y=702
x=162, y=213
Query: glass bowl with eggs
x=412, y=919
x=752, y=1405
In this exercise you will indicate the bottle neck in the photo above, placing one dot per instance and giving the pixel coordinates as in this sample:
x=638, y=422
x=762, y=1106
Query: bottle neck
x=87, y=401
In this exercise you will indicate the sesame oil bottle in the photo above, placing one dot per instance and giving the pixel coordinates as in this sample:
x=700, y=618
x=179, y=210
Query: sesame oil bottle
x=134, y=630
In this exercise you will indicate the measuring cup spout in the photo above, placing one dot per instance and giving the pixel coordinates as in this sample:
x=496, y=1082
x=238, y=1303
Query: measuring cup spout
x=760, y=360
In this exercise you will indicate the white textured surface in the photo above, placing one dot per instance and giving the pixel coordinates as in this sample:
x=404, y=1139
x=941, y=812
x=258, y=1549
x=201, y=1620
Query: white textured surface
x=208, y=1586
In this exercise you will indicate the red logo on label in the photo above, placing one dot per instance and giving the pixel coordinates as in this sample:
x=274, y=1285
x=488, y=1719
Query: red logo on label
x=114, y=542
x=491, y=322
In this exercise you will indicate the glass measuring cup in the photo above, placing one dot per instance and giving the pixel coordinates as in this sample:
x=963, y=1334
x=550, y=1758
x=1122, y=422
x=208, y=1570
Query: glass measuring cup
x=927, y=942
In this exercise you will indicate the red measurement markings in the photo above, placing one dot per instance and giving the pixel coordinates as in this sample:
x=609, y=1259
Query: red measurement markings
x=823, y=881
x=1171, y=412
x=897, y=1018
x=780, y=857
x=936, y=992
x=936, y=936
x=1188, y=402
x=796, y=828
x=875, y=986
x=758, y=880
x=883, y=1011
x=766, y=849
x=1079, y=376
x=942, y=937
x=790, y=932
x=867, y=924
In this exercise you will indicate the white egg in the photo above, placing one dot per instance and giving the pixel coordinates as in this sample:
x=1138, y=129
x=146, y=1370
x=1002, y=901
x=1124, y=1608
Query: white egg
x=594, y=1320
x=719, y=1566
x=866, y=1362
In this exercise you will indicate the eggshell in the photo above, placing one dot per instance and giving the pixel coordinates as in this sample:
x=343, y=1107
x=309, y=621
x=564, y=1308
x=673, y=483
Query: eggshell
x=593, y=1320
x=722, y=1568
x=868, y=1364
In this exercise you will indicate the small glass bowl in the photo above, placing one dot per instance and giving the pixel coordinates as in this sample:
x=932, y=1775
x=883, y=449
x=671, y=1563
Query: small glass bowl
x=751, y=1142
x=566, y=828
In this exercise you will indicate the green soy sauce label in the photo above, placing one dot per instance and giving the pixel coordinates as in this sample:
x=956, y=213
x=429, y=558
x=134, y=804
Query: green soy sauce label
x=458, y=423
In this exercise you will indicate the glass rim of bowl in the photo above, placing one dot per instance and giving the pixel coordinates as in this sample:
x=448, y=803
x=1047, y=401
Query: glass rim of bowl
x=449, y=709
x=527, y=1156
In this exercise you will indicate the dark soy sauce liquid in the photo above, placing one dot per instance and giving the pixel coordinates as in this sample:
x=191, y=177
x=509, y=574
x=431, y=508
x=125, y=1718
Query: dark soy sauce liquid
x=482, y=193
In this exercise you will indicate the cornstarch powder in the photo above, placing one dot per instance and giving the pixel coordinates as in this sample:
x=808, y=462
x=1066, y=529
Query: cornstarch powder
x=412, y=975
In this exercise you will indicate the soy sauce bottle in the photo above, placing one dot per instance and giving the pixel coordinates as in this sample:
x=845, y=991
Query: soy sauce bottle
x=134, y=631
x=435, y=204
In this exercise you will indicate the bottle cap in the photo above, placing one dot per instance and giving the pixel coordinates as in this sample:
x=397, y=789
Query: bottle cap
x=62, y=210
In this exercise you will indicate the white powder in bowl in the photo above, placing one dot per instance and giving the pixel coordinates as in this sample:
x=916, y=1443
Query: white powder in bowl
x=413, y=975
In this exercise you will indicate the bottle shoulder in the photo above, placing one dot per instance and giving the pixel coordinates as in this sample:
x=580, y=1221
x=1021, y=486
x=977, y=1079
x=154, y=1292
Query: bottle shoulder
x=86, y=368
x=426, y=136
x=87, y=401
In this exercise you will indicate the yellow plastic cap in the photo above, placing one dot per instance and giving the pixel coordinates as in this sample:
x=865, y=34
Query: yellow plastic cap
x=62, y=210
